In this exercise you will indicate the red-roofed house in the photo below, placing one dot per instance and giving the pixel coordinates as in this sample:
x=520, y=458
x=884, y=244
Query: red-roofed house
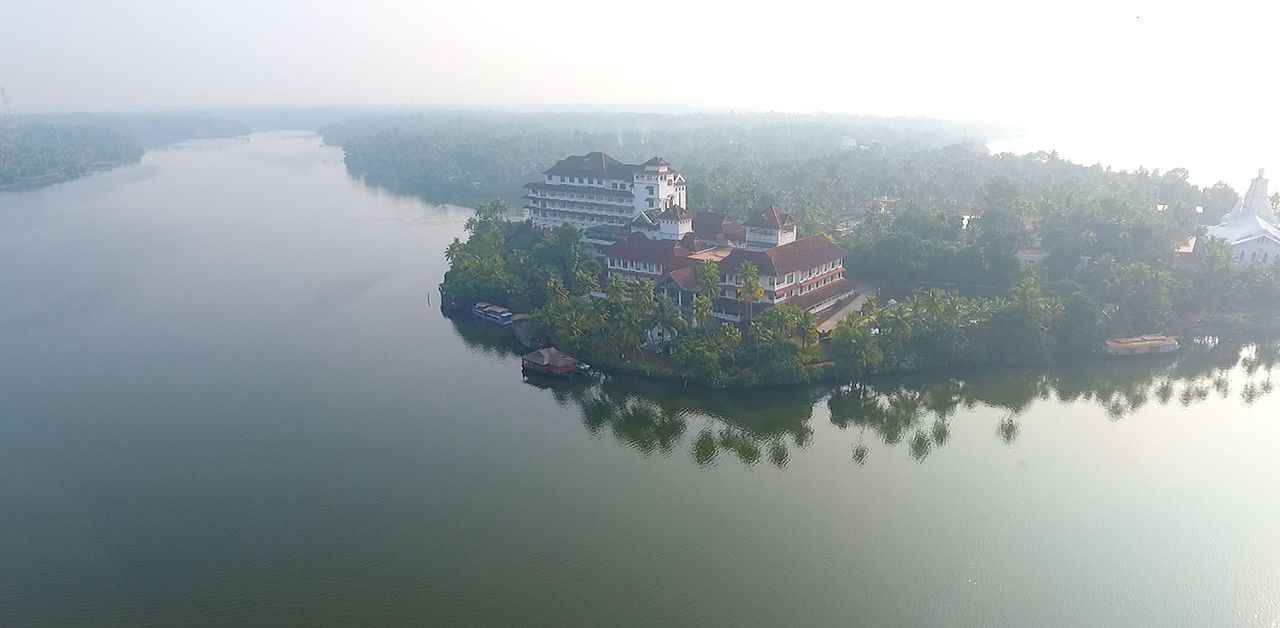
x=807, y=273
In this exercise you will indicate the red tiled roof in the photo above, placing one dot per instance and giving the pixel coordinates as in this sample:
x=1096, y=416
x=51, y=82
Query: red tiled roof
x=802, y=254
x=772, y=218
x=686, y=278
x=638, y=247
x=839, y=287
x=805, y=253
x=738, y=257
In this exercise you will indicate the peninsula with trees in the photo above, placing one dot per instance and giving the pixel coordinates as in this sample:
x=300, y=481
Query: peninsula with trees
x=1043, y=262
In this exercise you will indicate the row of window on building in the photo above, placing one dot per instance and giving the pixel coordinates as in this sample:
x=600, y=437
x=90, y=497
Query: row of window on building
x=587, y=197
x=620, y=209
x=789, y=278
x=559, y=215
x=613, y=185
x=1254, y=257
x=640, y=267
x=805, y=289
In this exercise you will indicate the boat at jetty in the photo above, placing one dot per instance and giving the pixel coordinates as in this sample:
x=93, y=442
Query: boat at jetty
x=493, y=313
x=549, y=361
x=1142, y=345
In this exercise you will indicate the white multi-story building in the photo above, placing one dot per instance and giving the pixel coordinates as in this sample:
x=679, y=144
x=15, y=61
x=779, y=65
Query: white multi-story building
x=596, y=189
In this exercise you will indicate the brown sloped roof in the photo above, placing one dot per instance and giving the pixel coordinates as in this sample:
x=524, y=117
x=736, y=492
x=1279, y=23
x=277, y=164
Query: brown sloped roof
x=686, y=278
x=772, y=218
x=640, y=248
x=657, y=161
x=809, y=299
x=549, y=356
x=738, y=257
x=596, y=165
x=802, y=254
x=675, y=212
x=805, y=253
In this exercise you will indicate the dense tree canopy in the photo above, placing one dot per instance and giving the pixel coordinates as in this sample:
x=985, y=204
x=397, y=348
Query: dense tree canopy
x=35, y=152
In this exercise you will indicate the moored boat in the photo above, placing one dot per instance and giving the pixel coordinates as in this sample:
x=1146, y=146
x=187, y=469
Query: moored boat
x=1142, y=345
x=493, y=313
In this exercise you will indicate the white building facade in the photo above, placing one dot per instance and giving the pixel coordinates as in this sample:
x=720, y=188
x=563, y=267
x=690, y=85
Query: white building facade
x=1251, y=228
x=595, y=189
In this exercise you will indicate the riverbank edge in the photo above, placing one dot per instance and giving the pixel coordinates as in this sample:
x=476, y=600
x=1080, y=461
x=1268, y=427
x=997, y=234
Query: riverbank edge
x=1242, y=332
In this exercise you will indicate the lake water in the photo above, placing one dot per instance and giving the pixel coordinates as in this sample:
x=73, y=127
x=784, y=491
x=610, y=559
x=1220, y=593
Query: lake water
x=224, y=398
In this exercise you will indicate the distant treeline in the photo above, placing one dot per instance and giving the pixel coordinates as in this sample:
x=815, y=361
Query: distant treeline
x=42, y=149
x=44, y=153
x=730, y=160
x=151, y=130
x=826, y=169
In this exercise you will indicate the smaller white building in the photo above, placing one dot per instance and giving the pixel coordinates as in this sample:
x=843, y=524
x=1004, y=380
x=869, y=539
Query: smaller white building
x=1250, y=229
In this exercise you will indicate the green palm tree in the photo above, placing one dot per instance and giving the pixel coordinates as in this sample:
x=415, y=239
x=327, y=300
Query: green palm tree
x=751, y=290
x=628, y=330
x=642, y=296
x=556, y=292
x=666, y=317
x=453, y=251
x=708, y=279
x=617, y=291
x=807, y=327
x=586, y=281
x=897, y=323
x=702, y=310
x=571, y=324
x=855, y=346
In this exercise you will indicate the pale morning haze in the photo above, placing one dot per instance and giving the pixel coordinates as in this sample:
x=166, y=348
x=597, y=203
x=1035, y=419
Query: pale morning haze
x=1159, y=83
x=800, y=313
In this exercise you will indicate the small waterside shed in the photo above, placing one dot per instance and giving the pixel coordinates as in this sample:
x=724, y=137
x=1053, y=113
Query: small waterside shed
x=549, y=361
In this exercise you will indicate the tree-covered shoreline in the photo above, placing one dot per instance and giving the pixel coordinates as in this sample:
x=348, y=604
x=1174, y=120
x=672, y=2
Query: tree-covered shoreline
x=43, y=149
x=35, y=155
x=982, y=259
x=1040, y=318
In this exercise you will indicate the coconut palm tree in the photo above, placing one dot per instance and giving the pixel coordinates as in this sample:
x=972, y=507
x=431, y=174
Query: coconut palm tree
x=627, y=331
x=556, y=292
x=855, y=346
x=702, y=310
x=708, y=279
x=642, y=296
x=617, y=291
x=897, y=323
x=806, y=328
x=751, y=290
x=586, y=281
x=666, y=317
x=571, y=323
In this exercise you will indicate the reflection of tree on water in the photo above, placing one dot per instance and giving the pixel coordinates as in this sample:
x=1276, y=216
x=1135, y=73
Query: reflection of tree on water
x=913, y=412
x=484, y=337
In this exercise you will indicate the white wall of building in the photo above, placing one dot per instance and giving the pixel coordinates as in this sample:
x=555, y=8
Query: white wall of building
x=1261, y=250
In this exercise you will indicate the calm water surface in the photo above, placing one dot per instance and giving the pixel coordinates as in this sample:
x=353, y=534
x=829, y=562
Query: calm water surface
x=224, y=399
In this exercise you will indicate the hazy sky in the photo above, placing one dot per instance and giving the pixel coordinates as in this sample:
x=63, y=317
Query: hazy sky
x=1163, y=83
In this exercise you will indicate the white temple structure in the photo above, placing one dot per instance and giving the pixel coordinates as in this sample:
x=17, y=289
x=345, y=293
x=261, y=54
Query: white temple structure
x=1250, y=229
